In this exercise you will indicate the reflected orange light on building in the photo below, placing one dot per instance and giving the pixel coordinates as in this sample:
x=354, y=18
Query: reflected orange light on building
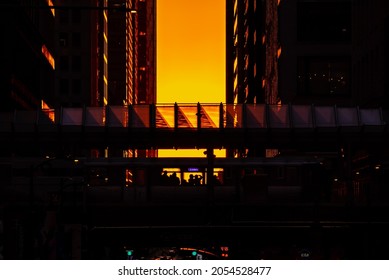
x=48, y=56
x=190, y=58
x=49, y=112
x=279, y=51
x=50, y=4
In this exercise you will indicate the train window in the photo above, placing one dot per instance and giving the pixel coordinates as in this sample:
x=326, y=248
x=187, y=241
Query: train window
x=172, y=170
x=193, y=176
x=171, y=177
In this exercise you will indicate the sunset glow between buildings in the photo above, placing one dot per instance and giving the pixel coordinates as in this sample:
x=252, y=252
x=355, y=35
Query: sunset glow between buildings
x=190, y=56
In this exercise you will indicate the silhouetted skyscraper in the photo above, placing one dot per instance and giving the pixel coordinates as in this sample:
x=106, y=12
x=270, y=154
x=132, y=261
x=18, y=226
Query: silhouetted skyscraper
x=82, y=49
x=131, y=48
x=252, y=51
x=27, y=55
x=300, y=51
x=315, y=64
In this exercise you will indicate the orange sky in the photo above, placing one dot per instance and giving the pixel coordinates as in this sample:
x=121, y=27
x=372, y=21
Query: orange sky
x=190, y=56
x=190, y=51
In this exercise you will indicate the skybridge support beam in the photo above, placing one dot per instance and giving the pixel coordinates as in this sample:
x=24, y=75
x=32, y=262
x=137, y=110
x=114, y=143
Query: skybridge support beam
x=210, y=168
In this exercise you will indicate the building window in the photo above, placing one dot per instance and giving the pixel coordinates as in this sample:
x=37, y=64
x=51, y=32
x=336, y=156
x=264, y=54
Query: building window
x=76, y=63
x=63, y=39
x=76, y=16
x=64, y=63
x=324, y=21
x=64, y=86
x=323, y=76
x=63, y=16
x=76, y=87
x=76, y=39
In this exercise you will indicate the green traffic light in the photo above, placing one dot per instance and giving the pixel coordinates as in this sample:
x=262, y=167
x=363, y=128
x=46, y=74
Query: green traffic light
x=194, y=253
x=129, y=253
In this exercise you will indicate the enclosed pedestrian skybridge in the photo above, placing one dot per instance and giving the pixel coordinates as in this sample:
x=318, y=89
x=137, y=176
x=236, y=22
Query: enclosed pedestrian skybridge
x=194, y=125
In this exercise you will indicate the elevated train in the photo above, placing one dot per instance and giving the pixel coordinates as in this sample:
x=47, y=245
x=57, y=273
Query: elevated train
x=232, y=180
x=225, y=180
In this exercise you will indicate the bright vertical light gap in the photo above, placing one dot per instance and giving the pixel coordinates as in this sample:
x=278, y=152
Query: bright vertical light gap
x=190, y=56
x=190, y=51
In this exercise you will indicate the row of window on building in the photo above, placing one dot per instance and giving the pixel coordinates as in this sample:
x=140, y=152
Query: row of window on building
x=70, y=86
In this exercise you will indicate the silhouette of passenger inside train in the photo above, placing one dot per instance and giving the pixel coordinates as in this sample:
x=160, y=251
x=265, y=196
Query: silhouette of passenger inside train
x=164, y=180
x=174, y=180
x=191, y=181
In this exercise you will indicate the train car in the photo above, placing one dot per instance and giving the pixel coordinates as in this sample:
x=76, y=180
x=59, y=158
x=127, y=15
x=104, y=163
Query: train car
x=222, y=179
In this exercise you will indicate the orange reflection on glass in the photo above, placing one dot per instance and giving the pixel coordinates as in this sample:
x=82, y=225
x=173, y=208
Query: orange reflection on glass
x=187, y=116
x=279, y=52
x=50, y=4
x=164, y=116
x=50, y=113
x=48, y=56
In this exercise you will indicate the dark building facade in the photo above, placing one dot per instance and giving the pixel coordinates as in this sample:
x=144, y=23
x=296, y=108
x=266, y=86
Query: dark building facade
x=370, y=38
x=28, y=55
x=146, y=51
x=80, y=54
x=131, y=50
x=252, y=51
x=324, y=53
x=106, y=52
x=122, y=62
x=342, y=60
x=82, y=50
x=321, y=52
x=307, y=52
x=316, y=62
